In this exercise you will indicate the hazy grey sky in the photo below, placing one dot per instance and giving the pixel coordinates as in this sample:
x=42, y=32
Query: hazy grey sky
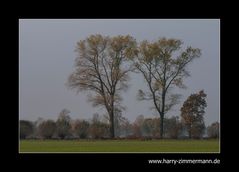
x=46, y=56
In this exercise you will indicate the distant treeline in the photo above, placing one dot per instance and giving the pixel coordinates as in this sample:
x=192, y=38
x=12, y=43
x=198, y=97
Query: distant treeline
x=98, y=128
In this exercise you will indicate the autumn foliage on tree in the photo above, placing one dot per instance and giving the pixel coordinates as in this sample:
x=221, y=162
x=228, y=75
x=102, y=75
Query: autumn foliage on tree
x=102, y=67
x=192, y=113
x=163, y=65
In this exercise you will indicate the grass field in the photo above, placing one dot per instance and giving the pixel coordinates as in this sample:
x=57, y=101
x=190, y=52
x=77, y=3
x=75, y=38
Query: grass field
x=119, y=146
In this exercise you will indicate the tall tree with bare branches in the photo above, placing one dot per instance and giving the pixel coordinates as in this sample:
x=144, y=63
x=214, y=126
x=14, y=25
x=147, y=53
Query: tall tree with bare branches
x=163, y=65
x=101, y=67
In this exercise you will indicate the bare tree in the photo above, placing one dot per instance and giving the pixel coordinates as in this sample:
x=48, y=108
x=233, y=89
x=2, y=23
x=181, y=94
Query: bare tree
x=101, y=69
x=137, y=126
x=213, y=130
x=163, y=67
x=173, y=127
x=81, y=128
x=46, y=129
x=98, y=129
x=63, y=124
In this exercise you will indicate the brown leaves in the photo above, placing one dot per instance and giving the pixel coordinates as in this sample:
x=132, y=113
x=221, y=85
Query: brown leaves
x=169, y=45
x=124, y=46
x=103, y=64
x=160, y=68
x=192, y=110
x=101, y=69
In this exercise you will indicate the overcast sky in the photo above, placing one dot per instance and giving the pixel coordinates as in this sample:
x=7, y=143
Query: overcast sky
x=46, y=56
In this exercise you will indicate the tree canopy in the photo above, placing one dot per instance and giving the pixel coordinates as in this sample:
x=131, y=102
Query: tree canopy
x=163, y=65
x=101, y=68
x=192, y=113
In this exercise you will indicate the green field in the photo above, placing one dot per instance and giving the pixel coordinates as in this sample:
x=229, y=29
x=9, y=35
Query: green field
x=119, y=146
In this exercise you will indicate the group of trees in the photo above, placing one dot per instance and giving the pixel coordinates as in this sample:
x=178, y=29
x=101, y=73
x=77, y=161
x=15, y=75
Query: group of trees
x=102, y=68
x=64, y=128
x=103, y=65
x=98, y=128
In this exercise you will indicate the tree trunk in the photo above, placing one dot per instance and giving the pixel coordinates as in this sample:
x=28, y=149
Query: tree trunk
x=112, y=132
x=162, y=114
x=190, y=132
x=112, y=126
x=161, y=126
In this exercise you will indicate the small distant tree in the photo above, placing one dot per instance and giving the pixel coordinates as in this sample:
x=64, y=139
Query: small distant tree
x=197, y=130
x=173, y=127
x=47, y=129
x=38, y=121
x=26, y=129
x=98, y=129
x=125, y=127
x=63, y=124
x=139, y=120
x=136, y=131
x=150, y=127
x=192, y=113
x=137, y=126
x=147, y=127
x=213, y=130
x=81, y=128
